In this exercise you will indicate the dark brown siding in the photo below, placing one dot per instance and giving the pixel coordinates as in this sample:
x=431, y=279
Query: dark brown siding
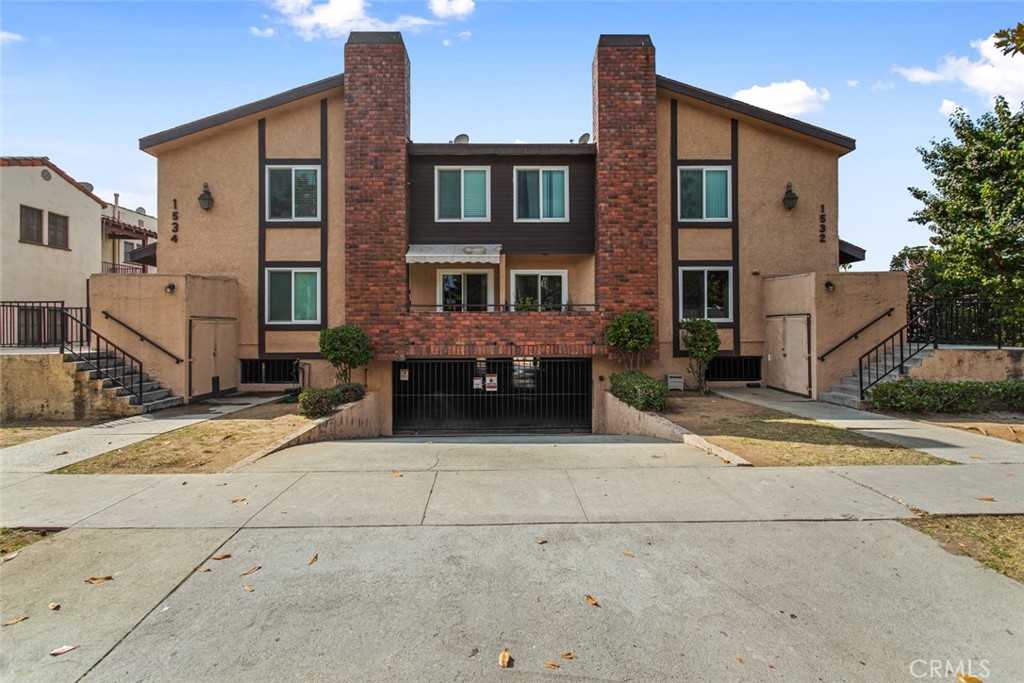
x=574, y=237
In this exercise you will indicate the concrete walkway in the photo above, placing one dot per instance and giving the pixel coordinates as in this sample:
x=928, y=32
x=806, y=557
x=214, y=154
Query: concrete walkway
x=942, y=442
x=61, y=450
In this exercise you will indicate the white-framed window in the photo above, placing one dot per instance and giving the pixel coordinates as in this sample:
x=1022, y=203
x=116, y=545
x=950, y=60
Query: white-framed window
x=543, y=290
x=293, y=193
x=293, y=296
x=462, y=193
x=541, y=193
x=705, y=292
x=465, y=290
x=705, y=193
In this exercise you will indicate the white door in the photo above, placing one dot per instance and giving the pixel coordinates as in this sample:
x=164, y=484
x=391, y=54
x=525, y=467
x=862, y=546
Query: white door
x=788, y=342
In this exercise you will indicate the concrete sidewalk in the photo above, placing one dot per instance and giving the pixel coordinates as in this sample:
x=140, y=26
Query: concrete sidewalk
x=943, y=442
x=61, y=450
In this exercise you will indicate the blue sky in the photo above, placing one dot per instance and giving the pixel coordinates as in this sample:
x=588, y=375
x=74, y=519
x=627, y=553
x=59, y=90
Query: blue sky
x=82, y=81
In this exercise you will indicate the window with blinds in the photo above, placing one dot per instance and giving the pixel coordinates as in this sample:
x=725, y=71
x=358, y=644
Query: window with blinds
x=293, y=193
x=57, y=230
x=31, y=225
x=463, y=194
x=705, y=193
x=293, y=295
x=542, y=194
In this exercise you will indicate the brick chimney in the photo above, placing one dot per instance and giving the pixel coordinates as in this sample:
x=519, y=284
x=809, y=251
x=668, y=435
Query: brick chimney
x=626, y=192
x=376, y=185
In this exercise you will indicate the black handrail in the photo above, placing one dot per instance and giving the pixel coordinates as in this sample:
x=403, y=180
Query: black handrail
x=856, y=334
x=883, y=355
x=142, y=337
x=107, y=358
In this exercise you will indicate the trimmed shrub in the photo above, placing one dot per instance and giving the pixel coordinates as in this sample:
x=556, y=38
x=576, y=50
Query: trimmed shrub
x=639, y=390
x=346, y=347
x=629, y=335
x=317, y=402
x=919, y=396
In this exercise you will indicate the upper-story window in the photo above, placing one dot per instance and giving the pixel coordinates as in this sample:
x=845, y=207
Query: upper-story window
x=293, y=193
x=57, y=233
x=463, y=193
x=542, y=194
x=31, y=225
x=705, y=193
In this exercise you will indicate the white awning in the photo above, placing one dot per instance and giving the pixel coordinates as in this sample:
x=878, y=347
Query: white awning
x=453, y=253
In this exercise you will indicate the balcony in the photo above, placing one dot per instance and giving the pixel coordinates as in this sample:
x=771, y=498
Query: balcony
x=129, y=268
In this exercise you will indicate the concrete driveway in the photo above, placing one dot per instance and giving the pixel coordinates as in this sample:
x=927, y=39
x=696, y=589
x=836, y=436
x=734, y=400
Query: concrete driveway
x=429, y=575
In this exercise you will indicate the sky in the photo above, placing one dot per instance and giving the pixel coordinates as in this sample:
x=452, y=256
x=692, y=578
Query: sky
x=83, y=81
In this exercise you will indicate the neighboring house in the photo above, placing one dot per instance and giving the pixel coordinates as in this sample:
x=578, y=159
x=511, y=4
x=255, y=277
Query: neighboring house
x=486, y=274
x=125, y=231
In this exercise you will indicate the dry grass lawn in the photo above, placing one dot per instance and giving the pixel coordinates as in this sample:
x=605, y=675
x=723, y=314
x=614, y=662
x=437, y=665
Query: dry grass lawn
x=209, y=446
x=21, y=431
x=770, y=438
x=1005, y=426
x=995, y=541
x=16, y=539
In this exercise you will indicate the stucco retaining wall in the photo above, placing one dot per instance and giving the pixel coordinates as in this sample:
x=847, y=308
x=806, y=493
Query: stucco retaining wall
x=980, y=365
x=42, y=387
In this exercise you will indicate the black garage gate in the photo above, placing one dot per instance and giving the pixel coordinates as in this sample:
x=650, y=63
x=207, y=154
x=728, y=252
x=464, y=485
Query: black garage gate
x=492, y=395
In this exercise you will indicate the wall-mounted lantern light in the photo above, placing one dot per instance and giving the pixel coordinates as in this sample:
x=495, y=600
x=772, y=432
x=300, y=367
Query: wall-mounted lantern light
x=205, y=199
x=830, y=286
x=169, y=289
x=789, y=199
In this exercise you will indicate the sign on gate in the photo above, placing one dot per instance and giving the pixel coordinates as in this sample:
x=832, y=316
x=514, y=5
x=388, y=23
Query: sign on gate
x=491, y=382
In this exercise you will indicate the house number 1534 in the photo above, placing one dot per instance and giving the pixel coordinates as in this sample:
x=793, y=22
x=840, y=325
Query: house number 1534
x=174, y=220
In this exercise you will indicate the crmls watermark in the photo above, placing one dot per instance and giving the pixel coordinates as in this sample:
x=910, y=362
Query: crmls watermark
x=961, y=670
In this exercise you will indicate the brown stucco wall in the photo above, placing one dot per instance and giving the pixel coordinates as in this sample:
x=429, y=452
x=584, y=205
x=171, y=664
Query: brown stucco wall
x=981, y=365
x=42, y=386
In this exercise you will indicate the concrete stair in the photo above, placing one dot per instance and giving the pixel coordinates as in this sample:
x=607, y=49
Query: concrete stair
x=115, y=377
x=847, y=392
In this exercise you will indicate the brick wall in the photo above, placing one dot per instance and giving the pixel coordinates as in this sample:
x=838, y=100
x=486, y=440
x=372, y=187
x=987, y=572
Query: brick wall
x=376, y=175
x=541, y=333
x=626, y=212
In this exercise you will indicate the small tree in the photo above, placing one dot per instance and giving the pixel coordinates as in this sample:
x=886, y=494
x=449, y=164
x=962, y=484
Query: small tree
x=629, y=335
x=346, y=347
x=701, y=338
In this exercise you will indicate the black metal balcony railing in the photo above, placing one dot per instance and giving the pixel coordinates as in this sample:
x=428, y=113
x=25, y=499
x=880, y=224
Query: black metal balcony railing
x=998, y=322
x=500, y=308
x=39, y=324
x=129, y=268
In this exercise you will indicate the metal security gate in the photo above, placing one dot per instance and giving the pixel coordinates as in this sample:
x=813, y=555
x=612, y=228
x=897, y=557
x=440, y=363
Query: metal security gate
x=492, y=395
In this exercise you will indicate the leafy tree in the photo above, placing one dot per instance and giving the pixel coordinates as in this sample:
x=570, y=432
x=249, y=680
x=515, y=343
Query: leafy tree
x=702, y=341
x=346, y=347
x=927, y=275
x=629, y=335
x=1011, y=40
x=976, y=208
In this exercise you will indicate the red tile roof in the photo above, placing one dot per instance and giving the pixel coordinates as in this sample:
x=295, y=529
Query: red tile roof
x=45, y=161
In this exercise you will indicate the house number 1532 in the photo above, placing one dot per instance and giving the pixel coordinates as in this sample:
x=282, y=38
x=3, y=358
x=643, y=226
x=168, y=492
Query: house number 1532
x=821, y=224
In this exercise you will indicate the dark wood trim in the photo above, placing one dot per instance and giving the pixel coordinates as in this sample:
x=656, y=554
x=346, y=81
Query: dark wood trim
x=262, y=240
x=674, y=184
x=291, y=264
x=717, y=100
x=292, y=327
x=702, y=162
x=324, y=206
x=294, y=162
x=239, y=112
x=317, y=225
x=705, y=225
x=737, y=312
x=500, y=149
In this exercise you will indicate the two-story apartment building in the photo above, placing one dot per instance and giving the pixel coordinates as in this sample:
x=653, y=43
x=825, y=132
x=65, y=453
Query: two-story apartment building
x=486, y=274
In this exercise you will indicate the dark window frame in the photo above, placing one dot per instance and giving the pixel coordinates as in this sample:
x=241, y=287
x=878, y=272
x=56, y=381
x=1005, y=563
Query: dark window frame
x=38, y=227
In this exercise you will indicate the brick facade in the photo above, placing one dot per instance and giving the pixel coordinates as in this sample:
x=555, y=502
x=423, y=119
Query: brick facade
x=626, y=192
x=376, y=189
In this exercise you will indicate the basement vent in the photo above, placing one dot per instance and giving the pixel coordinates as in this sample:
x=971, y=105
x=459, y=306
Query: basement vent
x=256, y=371
x=735, y=369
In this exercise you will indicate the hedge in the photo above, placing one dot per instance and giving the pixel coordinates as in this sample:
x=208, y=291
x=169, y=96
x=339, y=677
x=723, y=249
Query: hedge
x=919, y=396
x=315, y=402
x=639, y=390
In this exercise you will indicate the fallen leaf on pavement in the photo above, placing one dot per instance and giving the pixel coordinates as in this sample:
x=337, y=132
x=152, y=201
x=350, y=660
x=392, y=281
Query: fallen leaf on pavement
x=976, y=457
x=739, y=660
x=62, y=453
x=592, y=601
x=8, y=558
x=542, y=541
x=223, y=556
x=568, y=655
x=987, y=499
x=313, y=559
x=251, y=570
x=203, y=570
x=62, y=650
x=99, y=579
x=966, y=678
x=240, y=500
x=552, y=665
x=53, y=606
x=248, y=588
x=629, y=554
x=396, y=473
x=16, y=620
x=771, y=666
x=504, y=659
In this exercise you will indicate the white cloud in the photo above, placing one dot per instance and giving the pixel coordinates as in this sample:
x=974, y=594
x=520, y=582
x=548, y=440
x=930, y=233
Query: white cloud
x=948, y=107
x=883, y=85
x=336, y=18
x=789, y=98
x=991, y=74
x=7, y=38
x=853, y=84
x=261, y=32
x=465, y=35
x=447, y=42
x=458, y=9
